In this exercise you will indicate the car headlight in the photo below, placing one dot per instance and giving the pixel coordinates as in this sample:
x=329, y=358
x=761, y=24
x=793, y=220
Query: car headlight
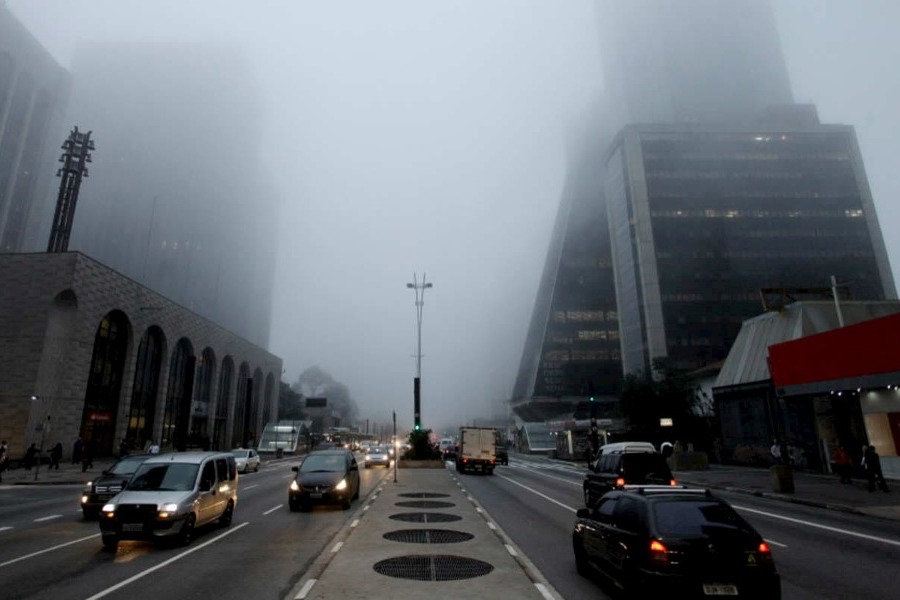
x=89, y=487
x=168, y=510
x=342, y=485
x=109, y=509
x=294, y=486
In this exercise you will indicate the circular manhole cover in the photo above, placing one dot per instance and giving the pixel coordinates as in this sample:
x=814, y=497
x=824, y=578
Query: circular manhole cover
x=428, y=536
x=434, y=567
x=425, y=504
x=424, y=495
x=425, y=517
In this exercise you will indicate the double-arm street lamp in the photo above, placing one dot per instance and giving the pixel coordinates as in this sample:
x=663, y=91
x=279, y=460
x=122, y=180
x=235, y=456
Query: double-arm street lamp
x=419, y=288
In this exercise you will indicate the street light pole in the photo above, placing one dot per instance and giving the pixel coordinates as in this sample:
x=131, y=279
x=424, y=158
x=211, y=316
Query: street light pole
x=420, y=302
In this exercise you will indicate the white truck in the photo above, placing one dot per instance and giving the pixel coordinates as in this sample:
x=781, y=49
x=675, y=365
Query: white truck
x=477, y=450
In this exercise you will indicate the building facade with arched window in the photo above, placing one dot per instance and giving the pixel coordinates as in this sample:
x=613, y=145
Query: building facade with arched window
x=88, y=353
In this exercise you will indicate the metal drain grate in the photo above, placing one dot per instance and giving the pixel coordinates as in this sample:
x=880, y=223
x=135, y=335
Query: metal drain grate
x=425, y=504
x=435, y=567
x=425, y=517
x=424, y=495
x=428, y=536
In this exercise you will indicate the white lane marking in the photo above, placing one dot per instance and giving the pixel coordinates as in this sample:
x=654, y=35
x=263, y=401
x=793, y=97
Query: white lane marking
x=5, y=528
x=511, y=550
x=544, y=591
x=50, y=549
x=542, y=473
x=768, y=541
x=166, y=563
x=537, y=493
x=244, y=488
x=819, y=526
x=50, y=518
x=365, y=508
x=305, y=589
x=354, y=523
x=491, y=525
x=337, y=547
x=271, y=510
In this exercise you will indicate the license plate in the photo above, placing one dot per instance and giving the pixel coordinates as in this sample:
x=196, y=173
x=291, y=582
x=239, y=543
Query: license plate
x=132, y=526
x=315, y=495
x=719, y=589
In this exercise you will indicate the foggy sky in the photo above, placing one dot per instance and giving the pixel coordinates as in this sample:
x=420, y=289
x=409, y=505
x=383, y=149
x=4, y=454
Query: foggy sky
x=429, y=137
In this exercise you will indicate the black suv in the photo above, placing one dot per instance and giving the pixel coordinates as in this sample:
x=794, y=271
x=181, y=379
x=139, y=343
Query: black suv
x=112, y=481
x=623, y=466
x=665, y=541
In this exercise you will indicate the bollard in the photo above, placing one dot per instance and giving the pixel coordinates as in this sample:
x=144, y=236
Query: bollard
x=783, y=478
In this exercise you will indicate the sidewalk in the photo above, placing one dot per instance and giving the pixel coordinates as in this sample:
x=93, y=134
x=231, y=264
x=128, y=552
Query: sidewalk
x=67, y=473
x=422, y=536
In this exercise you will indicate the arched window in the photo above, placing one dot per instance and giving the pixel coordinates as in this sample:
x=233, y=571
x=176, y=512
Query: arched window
x=226, y=381
x=178, y=397
x=101, y=400
x=145, y=388
x=200, y=429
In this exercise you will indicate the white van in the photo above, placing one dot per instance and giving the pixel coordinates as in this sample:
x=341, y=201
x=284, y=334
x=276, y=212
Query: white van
x=169, y=496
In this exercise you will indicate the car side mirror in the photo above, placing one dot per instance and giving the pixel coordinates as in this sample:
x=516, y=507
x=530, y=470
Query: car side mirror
x=295, y=469
x=583, y=513
x=354, y=466
x=124, y=483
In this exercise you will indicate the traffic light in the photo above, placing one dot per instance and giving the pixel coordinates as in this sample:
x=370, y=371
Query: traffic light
x=417, y=427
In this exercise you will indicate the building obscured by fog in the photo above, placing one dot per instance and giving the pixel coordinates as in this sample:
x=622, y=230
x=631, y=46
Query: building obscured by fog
x=177, y=198
x=33, y=88
x=711, y=184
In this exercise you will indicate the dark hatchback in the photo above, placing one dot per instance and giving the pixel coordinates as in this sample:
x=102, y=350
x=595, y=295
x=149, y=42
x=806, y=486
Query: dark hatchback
x=325, y=477
x=97, y=492
x=675, y=542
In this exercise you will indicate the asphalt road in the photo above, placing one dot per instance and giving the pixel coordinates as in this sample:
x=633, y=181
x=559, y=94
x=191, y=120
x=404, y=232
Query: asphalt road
x=820, y=553
x=49, y=551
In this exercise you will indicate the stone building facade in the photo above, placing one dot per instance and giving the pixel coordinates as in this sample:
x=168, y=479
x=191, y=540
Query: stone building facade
x=87, y=352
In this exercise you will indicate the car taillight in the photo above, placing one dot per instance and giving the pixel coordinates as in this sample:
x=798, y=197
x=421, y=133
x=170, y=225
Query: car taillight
x=620, y=482
x=673, y=482
x=765, y=553
x=659, y=554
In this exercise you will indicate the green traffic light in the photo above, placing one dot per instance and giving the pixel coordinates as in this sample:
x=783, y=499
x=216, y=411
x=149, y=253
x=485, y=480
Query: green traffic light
x=592, y=398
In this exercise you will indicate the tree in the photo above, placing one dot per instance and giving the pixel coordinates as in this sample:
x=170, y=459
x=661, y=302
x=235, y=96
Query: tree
x=647, y=398
x=316, y=382
x=290, y=403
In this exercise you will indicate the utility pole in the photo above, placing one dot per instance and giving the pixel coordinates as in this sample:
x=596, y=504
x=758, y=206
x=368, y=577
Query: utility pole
x=420, y=302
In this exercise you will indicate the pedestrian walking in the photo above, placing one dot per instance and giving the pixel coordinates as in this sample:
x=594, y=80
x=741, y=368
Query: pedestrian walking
x=123, y=448
x=4, y=458
x=56, y=456
x=87, y=456
x=154, y=448
x=843, y=464
x=77, y=449
x=873, y=470
x=30, y=457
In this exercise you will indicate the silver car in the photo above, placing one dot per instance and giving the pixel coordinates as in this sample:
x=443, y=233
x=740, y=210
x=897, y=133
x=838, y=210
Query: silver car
x=246, y=459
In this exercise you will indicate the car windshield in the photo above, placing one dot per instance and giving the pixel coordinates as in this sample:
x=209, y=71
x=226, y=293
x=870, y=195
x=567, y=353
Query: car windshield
x=240, y=453
x=377, y=450
x=692, y=517
x=323, y=462
x=641, y=465
x=126, y=466
x=164, y=477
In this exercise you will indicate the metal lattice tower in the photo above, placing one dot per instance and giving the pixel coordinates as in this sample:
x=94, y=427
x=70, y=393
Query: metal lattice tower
x=75, y=157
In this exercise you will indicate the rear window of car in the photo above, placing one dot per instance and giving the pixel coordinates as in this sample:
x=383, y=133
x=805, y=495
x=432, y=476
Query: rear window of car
x=693, y=516
x=377, y=450
x=641, y=465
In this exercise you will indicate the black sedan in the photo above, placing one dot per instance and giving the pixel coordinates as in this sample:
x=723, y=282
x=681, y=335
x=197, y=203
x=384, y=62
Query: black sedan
x=325, y=477
x=97, y=492
x=675, y=542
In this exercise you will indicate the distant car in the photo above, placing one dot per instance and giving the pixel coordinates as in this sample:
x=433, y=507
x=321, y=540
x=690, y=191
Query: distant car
x=502, y=455
x=325, y=477
x=673, y=542
x=98, y=491
x=378, y=456
x=624, y=464
x=246, y=459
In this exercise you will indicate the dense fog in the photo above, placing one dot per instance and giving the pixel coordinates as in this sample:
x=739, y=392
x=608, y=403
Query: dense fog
x=405, y=139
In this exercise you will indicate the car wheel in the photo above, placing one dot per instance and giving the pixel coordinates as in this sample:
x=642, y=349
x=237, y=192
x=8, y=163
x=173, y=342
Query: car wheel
x=227, y=516
x=293, y=505
x=110, y=543
x=186, y=535
x=256, y=469
x=581, y=562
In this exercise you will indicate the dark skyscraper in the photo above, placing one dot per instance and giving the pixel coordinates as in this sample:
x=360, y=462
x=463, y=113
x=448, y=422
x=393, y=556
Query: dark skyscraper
x=177, y=197
x=716, y=186
x=33, y=90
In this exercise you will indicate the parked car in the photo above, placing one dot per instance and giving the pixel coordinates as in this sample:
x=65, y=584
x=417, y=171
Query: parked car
x=100, y=490
x=378, y=455
x=325, y=477
x=621, y=464
x=673, y=542
x=246, y=459
x=502, y=455
x=169, y=496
